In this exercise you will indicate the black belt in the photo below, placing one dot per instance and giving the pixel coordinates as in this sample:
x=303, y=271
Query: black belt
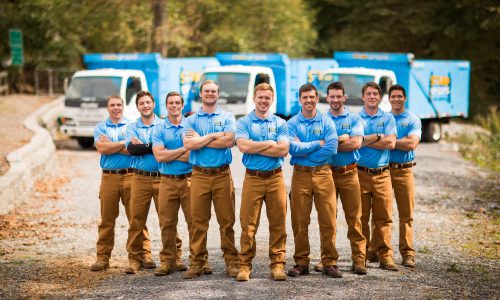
x=181, y=176
x=342, y=170
x=118, y=171
x=373, y=170
x=211, y=171
x=402, y=166
x=310, y=169
x=264, y=174
x=147, y=173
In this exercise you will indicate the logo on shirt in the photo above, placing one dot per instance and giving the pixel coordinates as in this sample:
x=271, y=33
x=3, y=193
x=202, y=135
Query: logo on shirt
x=380, y=124
x=218, y=123
x=404, y=124
x=271, y=129
x=346, y=126
x=317, y=131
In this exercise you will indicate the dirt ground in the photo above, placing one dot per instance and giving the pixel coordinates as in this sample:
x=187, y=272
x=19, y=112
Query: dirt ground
x=13, y=135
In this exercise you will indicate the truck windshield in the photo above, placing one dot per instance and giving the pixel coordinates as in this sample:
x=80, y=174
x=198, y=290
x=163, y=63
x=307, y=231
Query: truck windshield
x=233, y=87
x=352, y=86
x=93, y=88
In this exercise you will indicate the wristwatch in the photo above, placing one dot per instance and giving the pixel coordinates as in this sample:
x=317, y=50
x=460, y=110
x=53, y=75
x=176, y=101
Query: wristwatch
x=378, y=136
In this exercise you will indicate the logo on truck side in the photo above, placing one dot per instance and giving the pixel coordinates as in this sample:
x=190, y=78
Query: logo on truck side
x=440, y=86
x=89, y=105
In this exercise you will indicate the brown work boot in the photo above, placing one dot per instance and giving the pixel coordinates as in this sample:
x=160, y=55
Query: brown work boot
x=371, y=256
x=409, y=261
x=133, y=267
x=163, y=270
x=318, y=267
x=193, y=272
x=278, y=272
x=332, y=271
x=100, y=265
x=359, y=268
x=180, y=265
x=297, y=271
x=232, y=270
x=388, y=264
x=207, y=268
x=148, y=263
x=244, y=274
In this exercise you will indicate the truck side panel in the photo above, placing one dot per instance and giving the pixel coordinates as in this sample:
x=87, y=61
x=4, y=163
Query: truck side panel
x=439, y=89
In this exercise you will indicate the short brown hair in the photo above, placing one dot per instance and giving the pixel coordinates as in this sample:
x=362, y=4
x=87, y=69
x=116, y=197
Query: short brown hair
x=207, y=82
x=307, y=88
x=397, y=87
x=171, y=94
x=142, y=94
x=263, y=87
x=113, y=97
x=373, y=85
x=337, y=85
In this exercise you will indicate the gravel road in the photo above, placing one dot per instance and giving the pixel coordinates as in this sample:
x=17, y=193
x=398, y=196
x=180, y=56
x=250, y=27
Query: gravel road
x=48, y=245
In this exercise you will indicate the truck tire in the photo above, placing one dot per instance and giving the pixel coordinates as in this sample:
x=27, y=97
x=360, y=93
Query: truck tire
x=432, y=131
x=85, y=143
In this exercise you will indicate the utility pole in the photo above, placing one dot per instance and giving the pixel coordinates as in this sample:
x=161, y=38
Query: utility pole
x=158, y=41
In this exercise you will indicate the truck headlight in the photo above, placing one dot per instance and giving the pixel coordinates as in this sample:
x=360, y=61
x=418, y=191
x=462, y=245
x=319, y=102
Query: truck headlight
x=66, y=121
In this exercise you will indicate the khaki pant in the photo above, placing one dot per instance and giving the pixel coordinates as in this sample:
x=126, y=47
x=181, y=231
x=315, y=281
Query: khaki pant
x=376, y=199
x=219, y=189
x=115, y=187
x=347, y=186
x=404, y=191
x=142, y=190
x=307, y=187
x=174, y=193
x=257, y=190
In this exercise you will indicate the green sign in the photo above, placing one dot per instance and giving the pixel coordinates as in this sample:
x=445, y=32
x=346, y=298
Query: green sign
x=16, y=46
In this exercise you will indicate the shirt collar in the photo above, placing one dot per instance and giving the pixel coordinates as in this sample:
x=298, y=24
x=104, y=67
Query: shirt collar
x=254, y=117
x=379, y=113
x=343, y=114
x=200, y=112
x=169, y=124
x=401, y=115
x=110, y=123
x=156, y=121
x=316, y=118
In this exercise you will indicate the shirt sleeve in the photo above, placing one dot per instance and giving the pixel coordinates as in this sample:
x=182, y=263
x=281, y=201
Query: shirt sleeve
x=230, y=123
x=299, y=148
x=356, y=126
x=98, y=131
x=331, y=142
x=242, y=130
x=390, y=128
x=131, y=133
x=189, y=122
x=282, y=131
x=415, y=127
x=158, y=136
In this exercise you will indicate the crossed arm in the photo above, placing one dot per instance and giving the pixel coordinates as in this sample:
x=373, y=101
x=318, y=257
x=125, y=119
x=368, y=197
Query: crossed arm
x=408, y=143
x=267, y=148
x=166, y=155
x=193, y=141
x=349, y=143
x=105, y=146
x=385, y=142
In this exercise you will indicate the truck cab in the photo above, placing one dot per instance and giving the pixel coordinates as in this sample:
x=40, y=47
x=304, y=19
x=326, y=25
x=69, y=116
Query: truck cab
x=353, y=80
x=85, y=100
x=236, y=85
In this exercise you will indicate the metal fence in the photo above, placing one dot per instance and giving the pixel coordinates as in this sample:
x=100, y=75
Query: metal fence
x=52, y=81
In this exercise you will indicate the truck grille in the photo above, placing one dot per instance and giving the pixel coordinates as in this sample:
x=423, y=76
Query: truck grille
x=87, y=123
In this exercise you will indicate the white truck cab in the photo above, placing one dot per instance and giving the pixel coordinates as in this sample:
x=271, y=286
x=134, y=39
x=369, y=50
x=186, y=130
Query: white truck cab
x=85, y=100
x=353, y=80
x=236, y=85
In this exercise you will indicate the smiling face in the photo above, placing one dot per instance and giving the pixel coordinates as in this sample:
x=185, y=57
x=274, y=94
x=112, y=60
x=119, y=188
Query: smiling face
x=115, y=109
x=336, y=99
x=209, y=94
x=397, y=100
x=308, y=100
x=175, y=106
x=371, y=97
x=263, y=100
x=145, y=106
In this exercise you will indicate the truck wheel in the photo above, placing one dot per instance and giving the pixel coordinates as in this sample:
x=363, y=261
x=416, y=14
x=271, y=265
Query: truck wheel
x=432, y=132
x=85, y=143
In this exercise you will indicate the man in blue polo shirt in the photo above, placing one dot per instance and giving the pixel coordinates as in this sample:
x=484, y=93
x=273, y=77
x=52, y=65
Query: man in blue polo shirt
x=210, y=137
x=374, y=178
x=401, y=165
x=145, y=181
x=313, y=140
x=263, y=139
x=175, y=182
x=109, y=137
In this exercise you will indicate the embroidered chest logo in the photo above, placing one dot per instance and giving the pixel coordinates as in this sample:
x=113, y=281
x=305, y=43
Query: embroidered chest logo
x=271, y=129
x=380, y=124
x=346, y=126
x=404, y=124
x=317, y=131
x=217, y=123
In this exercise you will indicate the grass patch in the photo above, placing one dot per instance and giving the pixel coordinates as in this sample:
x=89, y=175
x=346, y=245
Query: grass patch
x=424, y=250
x=453, y=268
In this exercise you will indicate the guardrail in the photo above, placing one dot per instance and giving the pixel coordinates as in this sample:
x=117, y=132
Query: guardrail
x=4, y=83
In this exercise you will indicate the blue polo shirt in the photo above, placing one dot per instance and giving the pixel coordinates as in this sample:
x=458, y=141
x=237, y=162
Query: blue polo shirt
x=116, y=133
x=308, y=151
x=204, y=123
x=382, y=123
x=253, y=128
x=407, y=123
x=170, y=136
x=143, y=133
x=351, y=124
